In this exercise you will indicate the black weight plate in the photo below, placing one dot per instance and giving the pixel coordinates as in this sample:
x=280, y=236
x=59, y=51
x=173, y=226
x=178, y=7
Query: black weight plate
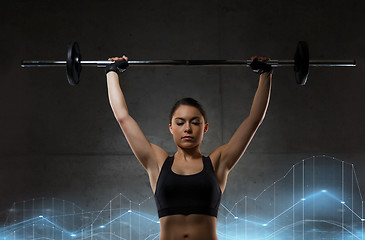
x=301, y=63
x=73, y=65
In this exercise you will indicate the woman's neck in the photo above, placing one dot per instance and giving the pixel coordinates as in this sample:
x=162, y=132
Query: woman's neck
x=188, y=154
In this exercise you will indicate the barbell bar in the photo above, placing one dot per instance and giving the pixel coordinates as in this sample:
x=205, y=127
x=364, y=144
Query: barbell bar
x=301, y=63
x=164, y=63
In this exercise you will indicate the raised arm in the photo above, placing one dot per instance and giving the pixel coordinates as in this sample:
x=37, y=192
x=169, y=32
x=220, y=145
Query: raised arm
x=147, y=153
x=229, y=154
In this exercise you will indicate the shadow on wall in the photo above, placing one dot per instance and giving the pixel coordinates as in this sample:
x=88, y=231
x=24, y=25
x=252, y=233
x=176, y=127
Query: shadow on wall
x=318, y=198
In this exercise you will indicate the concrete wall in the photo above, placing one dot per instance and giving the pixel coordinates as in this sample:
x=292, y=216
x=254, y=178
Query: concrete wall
x=62, y=141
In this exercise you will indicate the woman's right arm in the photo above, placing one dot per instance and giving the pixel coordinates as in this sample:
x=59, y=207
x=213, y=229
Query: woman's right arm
x=147, y=153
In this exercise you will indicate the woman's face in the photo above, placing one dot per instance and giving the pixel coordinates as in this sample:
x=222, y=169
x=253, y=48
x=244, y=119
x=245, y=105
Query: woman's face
x=188, y=127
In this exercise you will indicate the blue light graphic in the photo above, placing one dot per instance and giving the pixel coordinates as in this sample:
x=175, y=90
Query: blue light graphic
x=318, y=198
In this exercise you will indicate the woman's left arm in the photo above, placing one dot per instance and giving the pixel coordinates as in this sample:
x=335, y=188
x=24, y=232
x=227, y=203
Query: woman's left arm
x=229, y=154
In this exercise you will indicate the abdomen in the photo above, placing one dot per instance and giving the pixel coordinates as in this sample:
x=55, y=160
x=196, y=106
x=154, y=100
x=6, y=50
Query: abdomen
x=188, y=227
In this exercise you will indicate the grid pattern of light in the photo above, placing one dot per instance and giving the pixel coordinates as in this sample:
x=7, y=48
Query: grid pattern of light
x=318, y=198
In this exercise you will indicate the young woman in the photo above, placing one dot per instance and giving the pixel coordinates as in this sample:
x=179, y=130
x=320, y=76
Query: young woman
x=188, y=186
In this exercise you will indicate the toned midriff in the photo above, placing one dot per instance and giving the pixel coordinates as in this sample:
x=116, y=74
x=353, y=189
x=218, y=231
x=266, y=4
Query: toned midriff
x=192, y=227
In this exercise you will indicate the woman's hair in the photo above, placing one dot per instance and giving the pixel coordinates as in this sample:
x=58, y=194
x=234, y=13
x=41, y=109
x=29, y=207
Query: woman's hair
x=188, y=102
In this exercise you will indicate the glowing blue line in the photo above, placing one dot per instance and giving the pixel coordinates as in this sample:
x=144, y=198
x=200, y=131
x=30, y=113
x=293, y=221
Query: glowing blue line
x=23, y=222
x=145, y=200
x=157, y=234
x=144, y=216
x=227, y=210
x=358, y=186
x=120, y=216
x=309, y=197
x=352, y=211
x=301, y=221
x=283, y=212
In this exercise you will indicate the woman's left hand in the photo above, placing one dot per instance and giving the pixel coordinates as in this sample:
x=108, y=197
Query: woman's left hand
x=264, y=59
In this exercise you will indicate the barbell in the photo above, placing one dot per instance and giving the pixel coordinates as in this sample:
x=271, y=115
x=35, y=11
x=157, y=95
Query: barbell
x=301, y=63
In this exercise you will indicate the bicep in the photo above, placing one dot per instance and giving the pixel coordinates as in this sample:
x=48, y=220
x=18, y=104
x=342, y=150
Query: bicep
x=230, y=153
x=147, y=153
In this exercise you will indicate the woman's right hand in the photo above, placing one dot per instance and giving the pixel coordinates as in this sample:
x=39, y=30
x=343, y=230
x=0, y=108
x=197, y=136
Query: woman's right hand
x=119, y=65
x=118, y=58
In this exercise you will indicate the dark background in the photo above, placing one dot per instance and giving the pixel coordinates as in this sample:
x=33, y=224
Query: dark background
x=63, y=142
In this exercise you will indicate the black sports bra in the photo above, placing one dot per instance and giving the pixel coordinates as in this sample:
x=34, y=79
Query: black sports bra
x=199, y=193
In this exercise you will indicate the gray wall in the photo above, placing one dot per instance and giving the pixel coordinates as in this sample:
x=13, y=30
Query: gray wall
x=62, y=141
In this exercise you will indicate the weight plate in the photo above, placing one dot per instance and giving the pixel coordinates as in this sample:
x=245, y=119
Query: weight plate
x=301, y=63
x=73, y=66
